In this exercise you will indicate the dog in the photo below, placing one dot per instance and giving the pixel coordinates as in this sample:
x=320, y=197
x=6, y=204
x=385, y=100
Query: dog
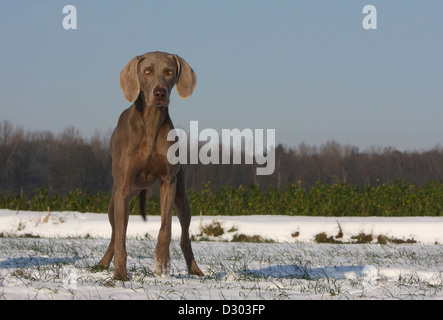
x=139, y=149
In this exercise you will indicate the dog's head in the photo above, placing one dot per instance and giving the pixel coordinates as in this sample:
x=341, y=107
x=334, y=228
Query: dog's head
x=154, y=74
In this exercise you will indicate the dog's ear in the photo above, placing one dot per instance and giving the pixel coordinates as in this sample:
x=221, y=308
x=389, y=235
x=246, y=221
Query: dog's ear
x=186, y=78
x=128, y=80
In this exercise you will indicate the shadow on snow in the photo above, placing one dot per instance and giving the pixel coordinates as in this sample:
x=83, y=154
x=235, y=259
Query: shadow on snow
x=26, y=262
x=300, y=272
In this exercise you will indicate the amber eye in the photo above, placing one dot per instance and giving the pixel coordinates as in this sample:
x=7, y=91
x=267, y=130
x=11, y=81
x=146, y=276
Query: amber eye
x=147, y=72
x=169, y=72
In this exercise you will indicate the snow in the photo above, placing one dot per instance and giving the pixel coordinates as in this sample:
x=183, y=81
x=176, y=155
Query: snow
x=424, y=230
x=58, y=263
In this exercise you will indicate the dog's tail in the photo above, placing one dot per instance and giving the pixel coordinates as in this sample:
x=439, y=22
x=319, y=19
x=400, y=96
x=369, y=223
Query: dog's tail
x=142, y=199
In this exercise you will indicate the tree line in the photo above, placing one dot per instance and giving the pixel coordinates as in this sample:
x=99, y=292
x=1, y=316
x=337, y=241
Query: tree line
x=63, y=162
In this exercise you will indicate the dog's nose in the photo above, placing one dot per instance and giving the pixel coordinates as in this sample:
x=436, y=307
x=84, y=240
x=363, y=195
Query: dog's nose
x=159, y=93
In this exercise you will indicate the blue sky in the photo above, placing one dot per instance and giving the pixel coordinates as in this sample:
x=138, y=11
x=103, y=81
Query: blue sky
x=307, y=69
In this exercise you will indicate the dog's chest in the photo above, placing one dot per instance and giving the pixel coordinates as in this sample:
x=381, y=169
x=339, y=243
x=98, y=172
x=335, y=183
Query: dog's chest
x=151, y=169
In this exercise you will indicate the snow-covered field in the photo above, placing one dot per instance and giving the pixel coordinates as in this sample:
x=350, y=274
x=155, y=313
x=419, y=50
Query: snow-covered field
x=58, y=264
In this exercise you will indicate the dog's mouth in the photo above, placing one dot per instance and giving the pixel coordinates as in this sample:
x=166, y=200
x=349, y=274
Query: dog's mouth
x=160, y=102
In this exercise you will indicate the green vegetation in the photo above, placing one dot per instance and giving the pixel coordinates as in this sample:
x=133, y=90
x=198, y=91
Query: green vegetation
x=398, y=198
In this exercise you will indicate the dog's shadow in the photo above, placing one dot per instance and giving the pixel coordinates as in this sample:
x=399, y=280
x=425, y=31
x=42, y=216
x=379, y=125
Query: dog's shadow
x=301, y=272
x=26, y=262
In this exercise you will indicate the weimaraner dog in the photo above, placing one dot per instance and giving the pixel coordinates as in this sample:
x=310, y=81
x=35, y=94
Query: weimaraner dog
x=139, y=149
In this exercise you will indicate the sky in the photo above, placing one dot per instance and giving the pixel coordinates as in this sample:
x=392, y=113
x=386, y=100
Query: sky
x=307, y=69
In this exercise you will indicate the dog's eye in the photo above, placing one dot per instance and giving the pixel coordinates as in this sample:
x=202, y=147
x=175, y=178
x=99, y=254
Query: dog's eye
x=169, y=72
x=148, y=71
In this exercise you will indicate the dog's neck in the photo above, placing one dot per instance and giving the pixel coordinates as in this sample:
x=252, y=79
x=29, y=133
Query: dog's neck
x=153, y=117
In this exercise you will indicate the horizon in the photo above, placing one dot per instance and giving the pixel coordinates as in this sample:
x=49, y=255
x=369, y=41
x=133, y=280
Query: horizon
x=104, y=138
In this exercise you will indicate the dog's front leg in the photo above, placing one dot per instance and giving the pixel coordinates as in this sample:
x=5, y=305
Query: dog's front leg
x=183, y=212
x=107, y=258
x=121, y=215
x=167, y=193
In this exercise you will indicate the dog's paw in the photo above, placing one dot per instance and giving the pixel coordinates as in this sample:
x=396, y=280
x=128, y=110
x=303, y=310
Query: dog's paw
x=161, y=268
x=195, y=270
x=120, y=275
